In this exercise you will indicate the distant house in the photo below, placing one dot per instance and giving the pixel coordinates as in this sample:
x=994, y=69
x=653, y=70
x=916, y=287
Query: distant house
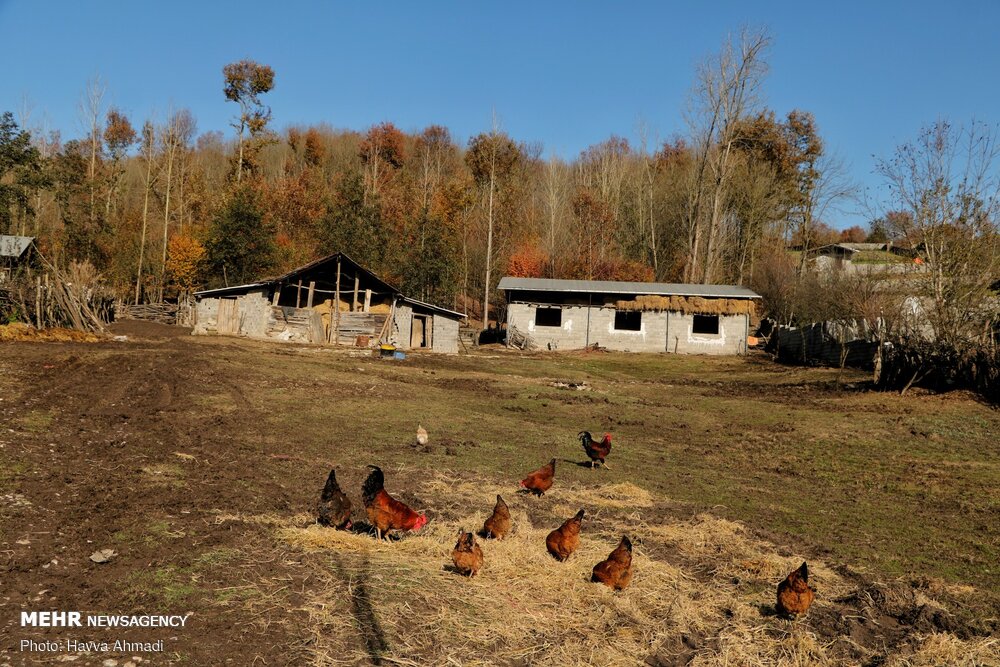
x=331, y=300
x=628, y=316
x=851, y=256
x=15, y=251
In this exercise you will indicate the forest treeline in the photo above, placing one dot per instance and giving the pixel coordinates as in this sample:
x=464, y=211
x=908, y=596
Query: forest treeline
x=160, y=208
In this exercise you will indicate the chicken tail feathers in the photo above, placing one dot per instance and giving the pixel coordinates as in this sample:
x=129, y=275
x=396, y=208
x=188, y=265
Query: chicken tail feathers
x=331, y=487
x=804, y=572
x=372, y=485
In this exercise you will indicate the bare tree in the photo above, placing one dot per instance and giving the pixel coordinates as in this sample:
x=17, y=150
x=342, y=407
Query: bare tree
x=91, y=112
x=948, y=180
x=727, y=90
x=148, y=151
x=175, y=136
x=554, y=203
x=492, y=157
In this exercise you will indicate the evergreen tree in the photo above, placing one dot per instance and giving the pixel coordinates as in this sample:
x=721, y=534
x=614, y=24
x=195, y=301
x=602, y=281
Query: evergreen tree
x=240, y=244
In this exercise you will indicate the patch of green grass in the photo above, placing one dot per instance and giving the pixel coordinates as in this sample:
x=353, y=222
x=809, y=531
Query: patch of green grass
x=215, y=558
x=36, y=421
x=173, y=584
x=165, y=474
x=157, y=531
x=169, y=585
x=11, y=469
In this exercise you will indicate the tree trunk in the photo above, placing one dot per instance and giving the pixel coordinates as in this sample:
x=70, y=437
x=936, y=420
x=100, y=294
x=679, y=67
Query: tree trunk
x=145, y=217
x=489, y=250
x=166, y=217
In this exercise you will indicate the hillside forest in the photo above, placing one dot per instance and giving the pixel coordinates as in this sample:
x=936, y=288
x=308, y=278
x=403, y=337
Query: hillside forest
x=159, y=207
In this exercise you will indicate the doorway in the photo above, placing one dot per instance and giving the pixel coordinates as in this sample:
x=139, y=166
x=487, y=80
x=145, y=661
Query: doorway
x=420, y=331
x=228, y=320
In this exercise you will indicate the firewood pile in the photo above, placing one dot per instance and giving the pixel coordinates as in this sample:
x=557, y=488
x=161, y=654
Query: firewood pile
x=164, y=313
x=519, y=339
x=56, y=299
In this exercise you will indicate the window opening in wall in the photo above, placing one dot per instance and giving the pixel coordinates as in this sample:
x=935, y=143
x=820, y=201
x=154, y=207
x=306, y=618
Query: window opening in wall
x=548, y=317
x=628, y=320
x=706, y=324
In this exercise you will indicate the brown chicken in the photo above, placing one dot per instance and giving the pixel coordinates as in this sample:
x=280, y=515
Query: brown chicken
x=794, y=594
x=334, y=508
x=597, y=451
x=564, y=540
x=616, y=571
x=498, y=524
x=540, y=481
x=385, y=512
x=467, y=555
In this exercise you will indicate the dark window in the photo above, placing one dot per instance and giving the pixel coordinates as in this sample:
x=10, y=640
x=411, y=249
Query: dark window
x=548, y=317
x=628, y=320
x=706, y=324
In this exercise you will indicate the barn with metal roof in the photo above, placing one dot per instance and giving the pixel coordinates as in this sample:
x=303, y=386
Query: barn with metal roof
x=629, y=316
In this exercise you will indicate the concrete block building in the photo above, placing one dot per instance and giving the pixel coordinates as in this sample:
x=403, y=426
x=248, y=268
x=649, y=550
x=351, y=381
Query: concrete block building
x=628, y=316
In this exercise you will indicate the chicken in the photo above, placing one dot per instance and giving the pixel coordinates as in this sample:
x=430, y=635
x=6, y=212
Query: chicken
x=794, y=594
x=597, y=451
x=564, y=540
x=334, y=507
x=540, y=480
x=467, y=555
x=616, y=571
x=498, y=524
x=421, y=435
x=385, y=512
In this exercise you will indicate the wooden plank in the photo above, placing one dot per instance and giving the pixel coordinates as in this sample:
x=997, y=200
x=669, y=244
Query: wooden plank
x=368, y=300
x=312, y=291
x=354, y=304
x=277, y=295
x=298, y=294
x=336, y=304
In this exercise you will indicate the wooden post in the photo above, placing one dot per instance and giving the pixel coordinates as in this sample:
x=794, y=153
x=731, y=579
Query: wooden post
x=368, y=300
x=336, y=304
x=298, y=294
x=354, y=305
x=277, y=294
x=38, y=302
x=312, y=291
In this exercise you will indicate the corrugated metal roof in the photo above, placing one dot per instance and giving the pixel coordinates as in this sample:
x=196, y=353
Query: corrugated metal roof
x=14, y=246
x=431, y=306
x=621, y=287
x=219, y=291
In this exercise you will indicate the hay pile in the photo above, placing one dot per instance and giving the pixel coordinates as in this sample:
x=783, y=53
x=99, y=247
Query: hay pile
x=699, y=596
x=689, y=305
x=25, y=332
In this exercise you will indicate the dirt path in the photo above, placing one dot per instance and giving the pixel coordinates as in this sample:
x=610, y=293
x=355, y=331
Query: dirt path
x=114, y=453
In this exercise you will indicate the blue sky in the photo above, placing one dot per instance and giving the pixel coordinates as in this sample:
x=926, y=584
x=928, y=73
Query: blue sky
x=564, y=74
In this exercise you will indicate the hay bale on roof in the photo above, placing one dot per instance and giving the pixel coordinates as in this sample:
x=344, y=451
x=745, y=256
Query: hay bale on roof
x=687, y=304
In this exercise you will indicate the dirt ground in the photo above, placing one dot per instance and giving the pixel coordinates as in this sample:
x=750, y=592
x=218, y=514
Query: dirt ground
x=199, y=460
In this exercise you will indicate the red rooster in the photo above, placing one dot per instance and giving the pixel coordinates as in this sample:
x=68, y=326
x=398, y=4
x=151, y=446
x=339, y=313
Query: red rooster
x=597, y=451
x=385, y=512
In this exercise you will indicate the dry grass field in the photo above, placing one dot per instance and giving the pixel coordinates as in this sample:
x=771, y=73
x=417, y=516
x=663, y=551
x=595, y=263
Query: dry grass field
x=199, y=462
